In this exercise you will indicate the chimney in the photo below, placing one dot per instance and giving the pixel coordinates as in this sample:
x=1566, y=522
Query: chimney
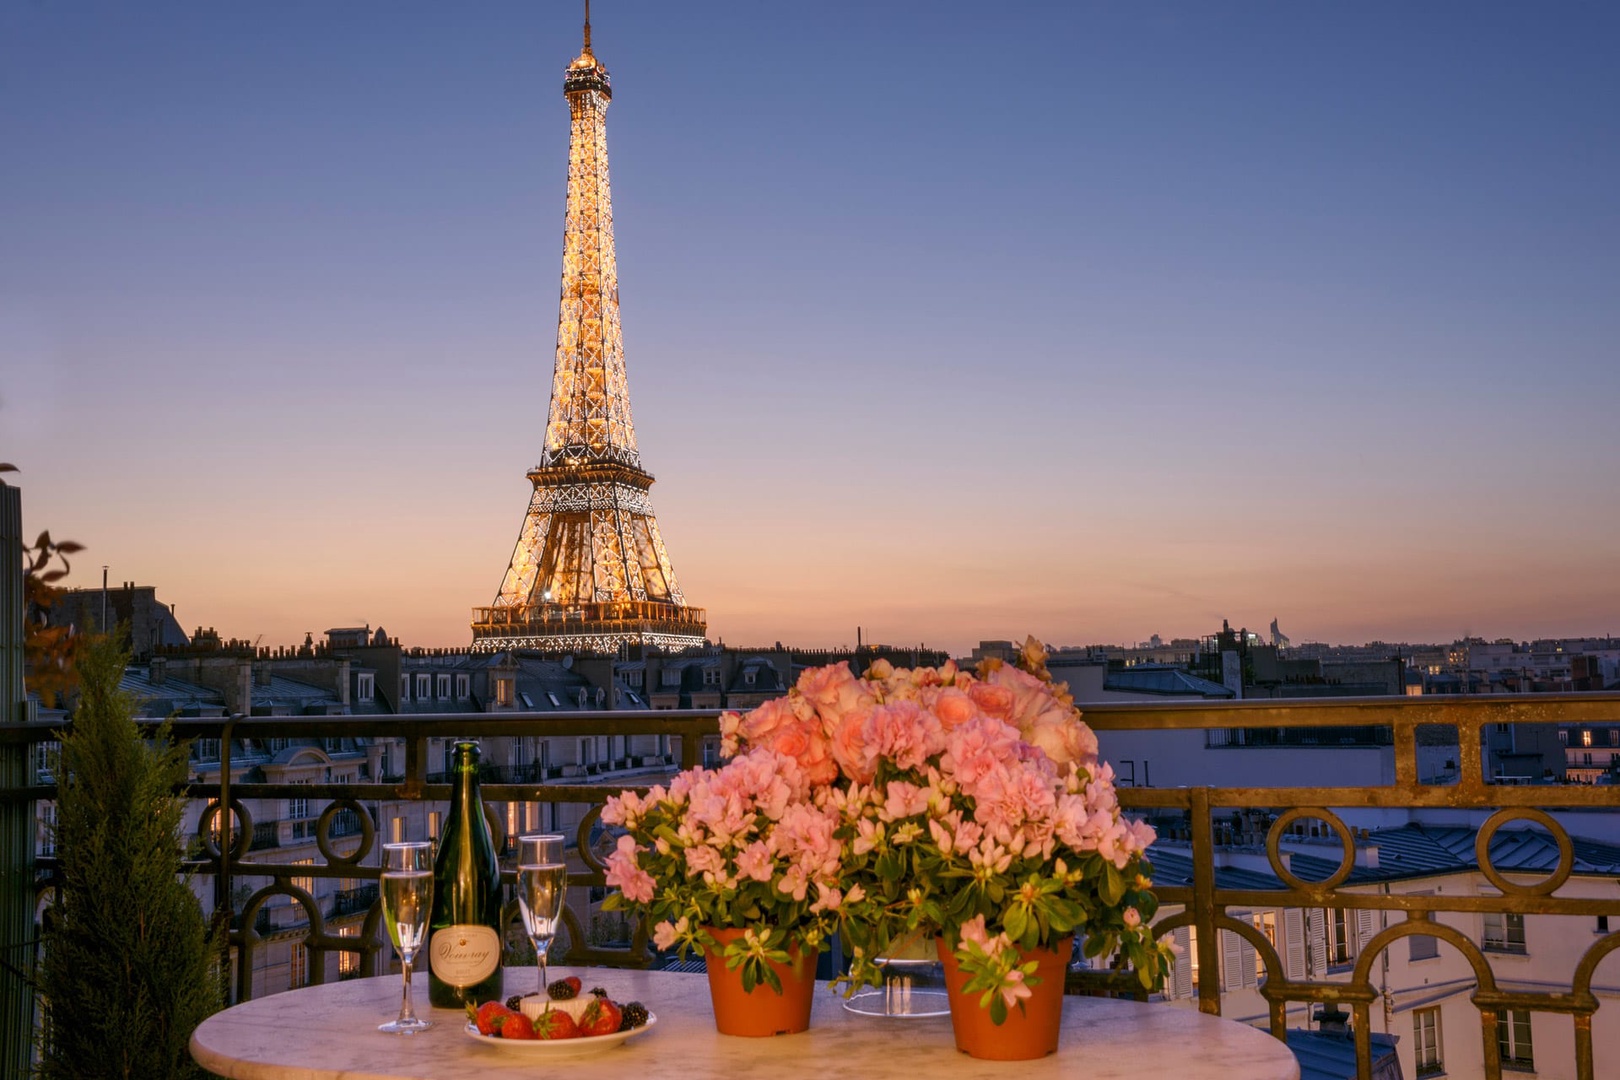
x=157, y=670
x=1332, y=1020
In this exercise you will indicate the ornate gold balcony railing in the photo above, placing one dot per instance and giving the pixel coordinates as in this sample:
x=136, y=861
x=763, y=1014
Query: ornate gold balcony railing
x=1204, y=905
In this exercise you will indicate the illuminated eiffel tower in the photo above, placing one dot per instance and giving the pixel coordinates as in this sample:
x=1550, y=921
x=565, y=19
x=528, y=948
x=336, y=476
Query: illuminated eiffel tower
x=589, y=572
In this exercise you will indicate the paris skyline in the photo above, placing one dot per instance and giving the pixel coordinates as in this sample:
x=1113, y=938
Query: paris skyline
x=947, y=321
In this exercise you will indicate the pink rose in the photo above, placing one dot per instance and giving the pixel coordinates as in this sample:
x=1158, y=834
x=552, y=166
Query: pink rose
x=953, y=707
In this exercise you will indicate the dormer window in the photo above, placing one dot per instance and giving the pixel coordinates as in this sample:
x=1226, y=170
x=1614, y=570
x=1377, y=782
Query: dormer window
x=463, y=687
x=442, y=690
x=503, y=690
x=748, y=677
x=365, y=686
x=423, y=687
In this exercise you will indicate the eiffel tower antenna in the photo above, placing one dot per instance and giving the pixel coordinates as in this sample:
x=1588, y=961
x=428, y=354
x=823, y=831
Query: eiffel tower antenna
x=589, y=572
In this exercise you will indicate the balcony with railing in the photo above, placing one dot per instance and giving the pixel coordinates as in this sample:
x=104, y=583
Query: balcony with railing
x=1229, y=855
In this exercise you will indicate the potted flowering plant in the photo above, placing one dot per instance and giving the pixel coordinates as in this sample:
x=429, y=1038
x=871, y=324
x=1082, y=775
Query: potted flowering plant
x=742, y=863
x=972, y=807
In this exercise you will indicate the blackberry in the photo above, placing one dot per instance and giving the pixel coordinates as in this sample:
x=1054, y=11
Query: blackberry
x=632, y=1015
x=515, y=1002
x=563, y=989
x=597, y=991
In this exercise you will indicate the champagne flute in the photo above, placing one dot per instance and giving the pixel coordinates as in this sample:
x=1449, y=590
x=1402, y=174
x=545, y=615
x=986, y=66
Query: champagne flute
x=407, y=898
x=542, y=883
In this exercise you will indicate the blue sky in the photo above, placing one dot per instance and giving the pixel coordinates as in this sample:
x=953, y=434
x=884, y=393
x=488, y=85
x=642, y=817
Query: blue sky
x=944, y=320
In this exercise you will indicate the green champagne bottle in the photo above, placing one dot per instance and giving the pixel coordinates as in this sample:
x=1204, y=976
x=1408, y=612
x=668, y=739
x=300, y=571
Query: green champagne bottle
x=464, y=949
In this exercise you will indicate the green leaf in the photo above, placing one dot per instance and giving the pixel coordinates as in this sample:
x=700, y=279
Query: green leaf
x=1113, y=886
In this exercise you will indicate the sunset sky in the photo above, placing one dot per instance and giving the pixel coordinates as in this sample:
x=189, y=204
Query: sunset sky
x=944, y=320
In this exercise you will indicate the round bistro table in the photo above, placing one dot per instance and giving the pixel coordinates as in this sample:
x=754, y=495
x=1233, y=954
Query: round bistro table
x=330, y=1032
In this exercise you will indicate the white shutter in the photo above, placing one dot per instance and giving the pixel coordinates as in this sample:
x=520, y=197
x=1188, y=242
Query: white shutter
x=1316, y=935
x=1181, y=972
x=1366, y=927
x=1248, y=959
x=1293, y=943
x=1232, y=961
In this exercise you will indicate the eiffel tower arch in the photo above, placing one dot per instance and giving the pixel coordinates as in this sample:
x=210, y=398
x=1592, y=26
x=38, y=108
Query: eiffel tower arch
x=589, y=572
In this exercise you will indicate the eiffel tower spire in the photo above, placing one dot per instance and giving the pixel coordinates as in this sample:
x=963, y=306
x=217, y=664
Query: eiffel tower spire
x=589, y=572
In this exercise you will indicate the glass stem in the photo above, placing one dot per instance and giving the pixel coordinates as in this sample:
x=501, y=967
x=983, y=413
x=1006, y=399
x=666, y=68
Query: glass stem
x=407, y=1015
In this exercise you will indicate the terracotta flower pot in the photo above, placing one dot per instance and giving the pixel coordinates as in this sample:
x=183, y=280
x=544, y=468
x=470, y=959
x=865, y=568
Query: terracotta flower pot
x=761, y=1011
x=1028, y=1032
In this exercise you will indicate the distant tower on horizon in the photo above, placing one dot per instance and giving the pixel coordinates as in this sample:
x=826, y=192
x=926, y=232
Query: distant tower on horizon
x=589, y=572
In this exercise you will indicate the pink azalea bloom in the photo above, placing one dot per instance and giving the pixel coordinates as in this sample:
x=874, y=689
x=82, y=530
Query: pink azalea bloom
x=794, y=883
x=665, y=933
x=975, y=932
x=702, y=859
x=905, y=733
x=756, y=861
x=1015, y=988
x=904, y=800
x=623, y=871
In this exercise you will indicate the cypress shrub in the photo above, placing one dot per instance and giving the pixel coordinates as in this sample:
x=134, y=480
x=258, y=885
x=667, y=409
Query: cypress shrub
x=130, y=968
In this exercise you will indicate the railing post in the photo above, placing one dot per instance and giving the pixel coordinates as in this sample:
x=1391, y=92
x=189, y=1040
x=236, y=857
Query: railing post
x=1210, y=974
x=16, y=815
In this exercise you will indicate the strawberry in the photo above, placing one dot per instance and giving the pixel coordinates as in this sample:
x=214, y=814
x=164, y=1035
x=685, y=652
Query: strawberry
x=516, y=1026
x=601, y=1017
x=488, y=1016
x=555, y=1024
x=564, y=989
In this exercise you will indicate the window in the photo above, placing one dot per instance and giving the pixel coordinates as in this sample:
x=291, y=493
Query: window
x=711, y=677
x=305, y=883
x=555, y=702
x=1563, y=737
x=670, y=677
x=635, y=677
x=1426, y=1041
x=442, y=689
x=348, y=962
x=503, y=691
x=1266, y=923
x=47, y=830
x=297, y=967
x=1602, y=924
x=749, y=677
x=1341, y=936
x=1614, y=736
x=463, y=687
x=1504, y=932
x=1513, y=1037
x=365, y=686
x=404, y=687
x=1586, y=737
x=433, y=825
x=423, y=686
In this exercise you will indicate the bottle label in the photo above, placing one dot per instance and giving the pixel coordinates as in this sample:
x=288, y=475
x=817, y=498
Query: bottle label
x=464, y=954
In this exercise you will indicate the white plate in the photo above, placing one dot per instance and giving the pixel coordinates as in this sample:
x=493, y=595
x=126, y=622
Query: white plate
x=590, y=1044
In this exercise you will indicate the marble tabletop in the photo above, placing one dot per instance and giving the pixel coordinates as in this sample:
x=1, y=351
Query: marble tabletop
x=330, y=1033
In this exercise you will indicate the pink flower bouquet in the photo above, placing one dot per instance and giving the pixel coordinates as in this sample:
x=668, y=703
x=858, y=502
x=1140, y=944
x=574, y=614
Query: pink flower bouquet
x=968, y=806
x=752, y=845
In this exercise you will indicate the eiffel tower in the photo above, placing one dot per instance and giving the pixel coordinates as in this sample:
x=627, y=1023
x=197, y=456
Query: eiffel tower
x=589, y=572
